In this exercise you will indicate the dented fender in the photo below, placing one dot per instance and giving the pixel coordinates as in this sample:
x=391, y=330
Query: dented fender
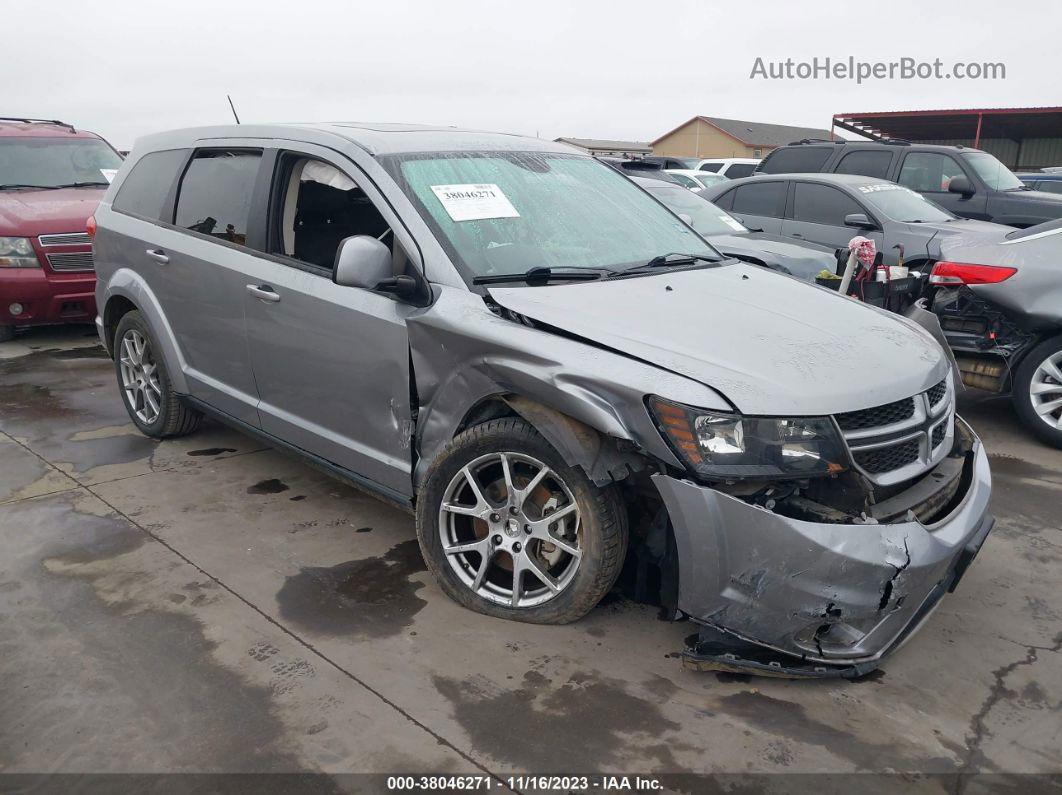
x=463, y=354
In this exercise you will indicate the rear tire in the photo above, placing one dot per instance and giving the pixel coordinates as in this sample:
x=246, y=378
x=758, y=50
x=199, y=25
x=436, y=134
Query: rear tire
x=1038, y=391
x=7, y=333
x=144, y=383
x=566, y=564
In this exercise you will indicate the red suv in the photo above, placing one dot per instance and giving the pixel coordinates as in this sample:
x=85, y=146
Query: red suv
x=51, y=179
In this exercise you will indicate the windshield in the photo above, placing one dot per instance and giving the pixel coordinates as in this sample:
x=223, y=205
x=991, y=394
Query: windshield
x=902, y=204
x=705, y=217
x=50, y=162
x=507, y=212
x=995, y=175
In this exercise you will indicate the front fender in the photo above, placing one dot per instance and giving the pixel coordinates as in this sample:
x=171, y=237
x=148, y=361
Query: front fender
x=128, y=284
x=462, y=353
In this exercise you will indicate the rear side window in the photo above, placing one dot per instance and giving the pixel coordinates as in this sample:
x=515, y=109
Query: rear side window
x=822, y=204
x=215, y=194
x=726, y=201
x=760, y=198
x=796, y=160
x=145, y=191
x=739, y=170
x=869, y=163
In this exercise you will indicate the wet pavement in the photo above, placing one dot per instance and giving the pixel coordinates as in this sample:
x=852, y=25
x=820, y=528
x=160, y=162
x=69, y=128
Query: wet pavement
x=209, y=605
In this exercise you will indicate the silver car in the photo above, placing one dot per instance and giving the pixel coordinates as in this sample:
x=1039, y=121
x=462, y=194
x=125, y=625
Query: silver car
x=555, y=373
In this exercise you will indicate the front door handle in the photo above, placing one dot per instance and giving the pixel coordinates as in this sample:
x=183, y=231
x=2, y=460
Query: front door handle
x=797, y=235
x=263, y=292
x=158, y=255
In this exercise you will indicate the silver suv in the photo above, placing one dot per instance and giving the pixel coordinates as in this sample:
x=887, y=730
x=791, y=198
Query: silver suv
x=554, y=372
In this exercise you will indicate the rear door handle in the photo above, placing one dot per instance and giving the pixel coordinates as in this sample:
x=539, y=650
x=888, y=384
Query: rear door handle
x=796, y=234
x=158, y=255
x=263, y=292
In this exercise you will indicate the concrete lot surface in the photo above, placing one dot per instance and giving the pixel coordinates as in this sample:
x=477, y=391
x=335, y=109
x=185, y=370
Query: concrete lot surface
x=206, y=604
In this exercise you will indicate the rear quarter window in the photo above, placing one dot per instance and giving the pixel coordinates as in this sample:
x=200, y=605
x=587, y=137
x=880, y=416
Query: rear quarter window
x=796, y=160
x=145, y=191
x=739, y=170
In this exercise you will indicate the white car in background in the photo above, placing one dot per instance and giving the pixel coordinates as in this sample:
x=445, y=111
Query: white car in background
x=730, y=167
x=692, y=179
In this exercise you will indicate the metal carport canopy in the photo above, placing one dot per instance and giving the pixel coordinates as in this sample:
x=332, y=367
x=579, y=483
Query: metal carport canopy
x=937, y=125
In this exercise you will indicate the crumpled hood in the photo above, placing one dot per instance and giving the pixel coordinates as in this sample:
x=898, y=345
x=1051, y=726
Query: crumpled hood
x=28, y=213
x=803, y=260
x=771, y=344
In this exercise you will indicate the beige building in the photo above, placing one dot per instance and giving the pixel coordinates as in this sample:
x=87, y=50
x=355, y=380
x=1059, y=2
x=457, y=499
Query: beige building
x=704, y=136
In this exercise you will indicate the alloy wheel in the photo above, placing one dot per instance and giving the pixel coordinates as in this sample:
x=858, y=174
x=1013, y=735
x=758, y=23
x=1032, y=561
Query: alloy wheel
x=510, y=529
x=140, y=377
x=1045, y=390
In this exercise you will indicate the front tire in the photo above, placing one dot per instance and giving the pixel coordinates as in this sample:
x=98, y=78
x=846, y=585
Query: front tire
x=1038, y=391
x=510, y=530
x=153, y=406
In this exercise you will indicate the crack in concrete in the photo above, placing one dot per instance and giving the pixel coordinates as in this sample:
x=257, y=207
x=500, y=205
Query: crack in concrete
x=975, y=757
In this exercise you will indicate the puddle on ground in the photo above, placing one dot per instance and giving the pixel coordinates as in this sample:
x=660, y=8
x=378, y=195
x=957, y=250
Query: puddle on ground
x=211, y=451
x=270, y=486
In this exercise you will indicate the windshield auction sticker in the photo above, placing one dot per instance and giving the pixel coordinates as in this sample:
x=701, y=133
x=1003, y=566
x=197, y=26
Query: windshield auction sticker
x=474, y=202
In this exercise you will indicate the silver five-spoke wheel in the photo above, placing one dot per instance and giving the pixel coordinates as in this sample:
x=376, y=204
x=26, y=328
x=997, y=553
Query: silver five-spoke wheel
x=1045, y=390
x=510, y=529
x=140, y=378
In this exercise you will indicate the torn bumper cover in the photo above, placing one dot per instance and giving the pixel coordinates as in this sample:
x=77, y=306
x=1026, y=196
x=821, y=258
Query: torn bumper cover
x=823, y=599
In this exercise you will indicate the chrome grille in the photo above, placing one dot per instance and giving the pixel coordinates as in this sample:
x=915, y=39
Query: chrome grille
x=886, y=459
x=66, y=239
x=79, y=261
x=937, y=393
x=900, y=440
x=890, y=413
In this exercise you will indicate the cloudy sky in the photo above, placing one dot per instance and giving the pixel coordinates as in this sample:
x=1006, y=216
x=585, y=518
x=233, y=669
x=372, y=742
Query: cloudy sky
x=585, y=68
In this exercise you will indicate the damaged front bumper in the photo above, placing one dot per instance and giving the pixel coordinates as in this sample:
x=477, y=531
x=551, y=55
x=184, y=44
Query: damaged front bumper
x=822, y=599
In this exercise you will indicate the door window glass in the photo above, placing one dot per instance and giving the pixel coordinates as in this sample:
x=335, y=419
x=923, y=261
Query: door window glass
x=822, y=204
x=739, y=170
x=867, y=163
x=929, y=172
x=760, y=198
x=216, y=192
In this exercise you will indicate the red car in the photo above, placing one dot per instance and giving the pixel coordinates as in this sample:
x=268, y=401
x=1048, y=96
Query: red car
x=51, y=179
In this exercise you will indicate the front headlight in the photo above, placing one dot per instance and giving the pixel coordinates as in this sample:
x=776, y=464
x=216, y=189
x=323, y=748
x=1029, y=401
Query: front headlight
x=17, y=252
x=731, y=446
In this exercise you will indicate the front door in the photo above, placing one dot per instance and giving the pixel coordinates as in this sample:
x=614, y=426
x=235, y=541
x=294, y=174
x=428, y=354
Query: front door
x=331, y=363
x=931, y=173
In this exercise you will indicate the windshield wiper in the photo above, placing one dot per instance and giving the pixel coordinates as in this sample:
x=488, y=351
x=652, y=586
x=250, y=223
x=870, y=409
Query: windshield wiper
x=22, y=185
x=541, y=275
x=666, y=261
x=84, y=185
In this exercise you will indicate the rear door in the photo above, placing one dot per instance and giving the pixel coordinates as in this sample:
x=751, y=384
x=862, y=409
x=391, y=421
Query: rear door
x=331, y=362
x=817, y=214
x=930, y=173
x=759, y=204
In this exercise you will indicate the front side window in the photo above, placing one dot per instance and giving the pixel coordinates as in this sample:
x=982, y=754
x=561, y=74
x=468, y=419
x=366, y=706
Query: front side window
x=822, y=204
x=760, y=198
x=900, y=204
x=320, y=206
x=704, y=216
x=55, y=162
x=929, y=172
x=993, y=173
x=145, y=189
x=216, y=191
x=507, y=212
x=1050, y=186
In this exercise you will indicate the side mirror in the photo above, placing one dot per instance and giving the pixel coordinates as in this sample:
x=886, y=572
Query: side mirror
x=401, y=286
x=960, y=185
x=362, y=261
x=859, y=221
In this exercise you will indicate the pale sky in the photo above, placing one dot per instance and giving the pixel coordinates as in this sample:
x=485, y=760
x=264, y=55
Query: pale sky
x=594, y=69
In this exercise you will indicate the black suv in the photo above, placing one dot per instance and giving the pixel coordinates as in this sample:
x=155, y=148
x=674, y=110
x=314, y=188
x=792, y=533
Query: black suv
x=969, y=182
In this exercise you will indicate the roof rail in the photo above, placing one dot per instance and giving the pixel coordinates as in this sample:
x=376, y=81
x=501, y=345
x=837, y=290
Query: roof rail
x=814, y=141
x=895, y=141
x=39, y=121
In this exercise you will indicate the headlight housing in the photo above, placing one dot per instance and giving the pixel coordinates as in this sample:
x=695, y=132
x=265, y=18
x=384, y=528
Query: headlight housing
x=17, y=252
x=730, y=446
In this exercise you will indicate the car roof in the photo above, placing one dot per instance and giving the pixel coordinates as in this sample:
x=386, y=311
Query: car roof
x=41, y=129
x=852, y=180
x=374, y=138
x=1038, y=175
x=730, y=160
x=893, y=144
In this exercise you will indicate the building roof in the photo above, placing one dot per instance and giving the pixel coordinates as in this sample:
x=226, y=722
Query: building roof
x=942, y=125
x=756, y=133
x=604, y=143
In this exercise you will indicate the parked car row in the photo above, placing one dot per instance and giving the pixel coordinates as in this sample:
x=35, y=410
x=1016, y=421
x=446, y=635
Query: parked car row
x=555, y=373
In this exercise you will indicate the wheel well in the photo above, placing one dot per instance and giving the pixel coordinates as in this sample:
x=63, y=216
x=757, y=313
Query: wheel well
x=117, y=307
x=490, y=408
